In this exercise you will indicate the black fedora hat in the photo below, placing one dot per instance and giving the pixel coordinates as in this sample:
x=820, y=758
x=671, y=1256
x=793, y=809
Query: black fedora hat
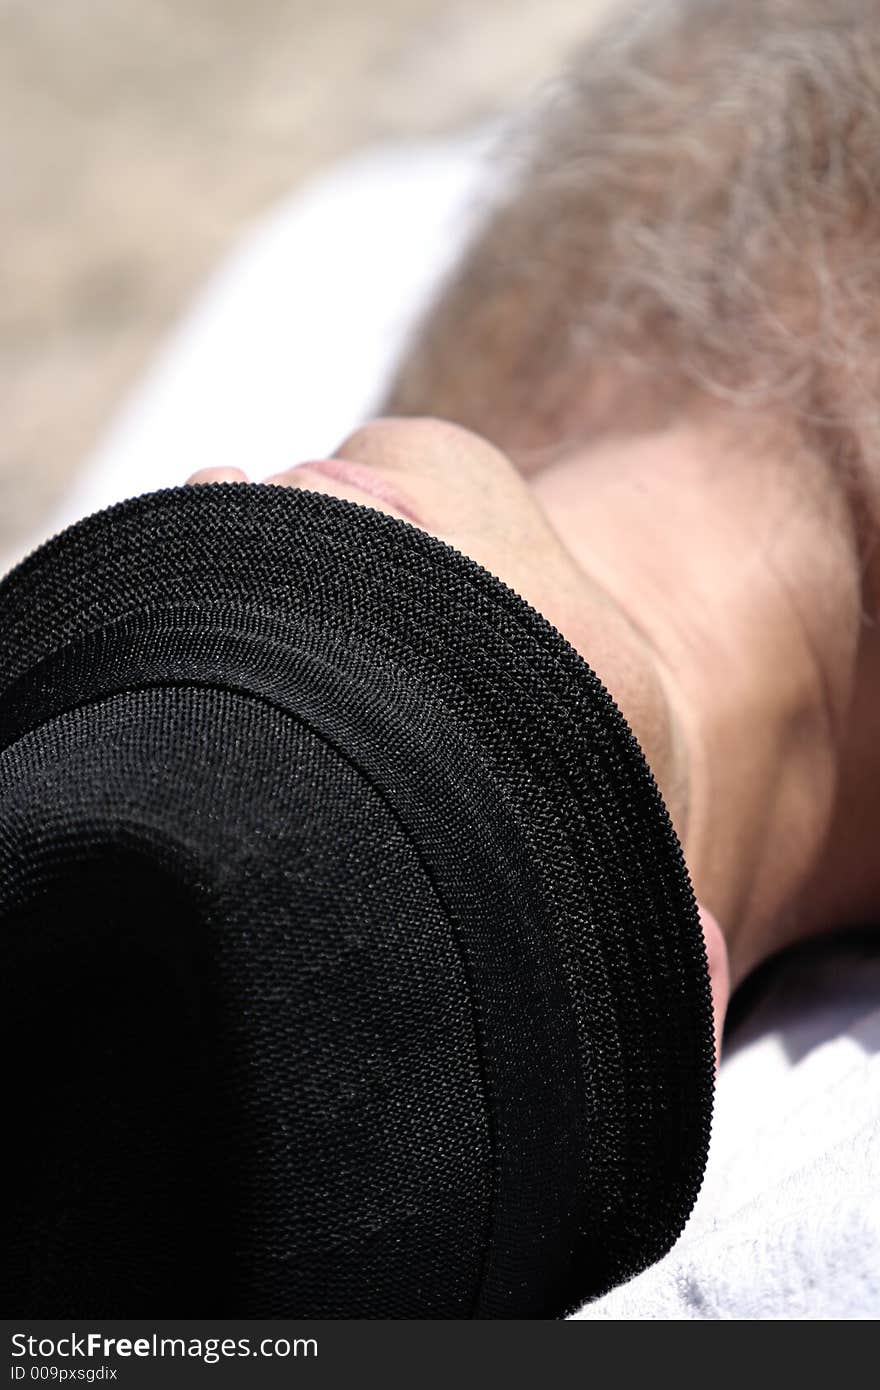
x=351, y=967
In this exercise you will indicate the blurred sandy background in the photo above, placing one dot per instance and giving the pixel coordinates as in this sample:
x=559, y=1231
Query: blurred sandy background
x=139, y=137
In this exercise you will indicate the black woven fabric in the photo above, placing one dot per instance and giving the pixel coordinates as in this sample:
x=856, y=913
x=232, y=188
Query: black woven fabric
x=350, y=965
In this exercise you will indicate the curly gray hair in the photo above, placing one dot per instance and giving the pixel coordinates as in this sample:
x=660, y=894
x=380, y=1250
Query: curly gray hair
x=689, y=219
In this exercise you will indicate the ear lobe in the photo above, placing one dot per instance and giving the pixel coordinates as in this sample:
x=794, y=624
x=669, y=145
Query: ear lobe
x=719, y=972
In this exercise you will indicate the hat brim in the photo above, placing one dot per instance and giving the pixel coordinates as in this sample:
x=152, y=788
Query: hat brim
x=620, y=911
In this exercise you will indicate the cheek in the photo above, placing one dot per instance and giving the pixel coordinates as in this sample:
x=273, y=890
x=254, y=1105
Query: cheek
x=498, y=523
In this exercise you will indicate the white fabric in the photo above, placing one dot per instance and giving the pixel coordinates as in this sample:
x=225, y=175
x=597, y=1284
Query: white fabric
x=288, y=347
x=285, y=352
x=787, y=1224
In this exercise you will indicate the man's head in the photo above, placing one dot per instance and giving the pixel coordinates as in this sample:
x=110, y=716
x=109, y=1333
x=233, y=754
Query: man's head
x=667, y=324
x=670, y=315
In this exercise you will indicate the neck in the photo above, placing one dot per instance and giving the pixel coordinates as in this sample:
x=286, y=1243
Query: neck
x=737, y=565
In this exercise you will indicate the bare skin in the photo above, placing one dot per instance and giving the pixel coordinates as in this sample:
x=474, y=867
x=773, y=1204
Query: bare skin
x=717, y=591
x=667, y=328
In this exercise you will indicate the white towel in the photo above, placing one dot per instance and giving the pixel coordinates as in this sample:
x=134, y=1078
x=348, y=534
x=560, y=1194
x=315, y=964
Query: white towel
x=787, y=1224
